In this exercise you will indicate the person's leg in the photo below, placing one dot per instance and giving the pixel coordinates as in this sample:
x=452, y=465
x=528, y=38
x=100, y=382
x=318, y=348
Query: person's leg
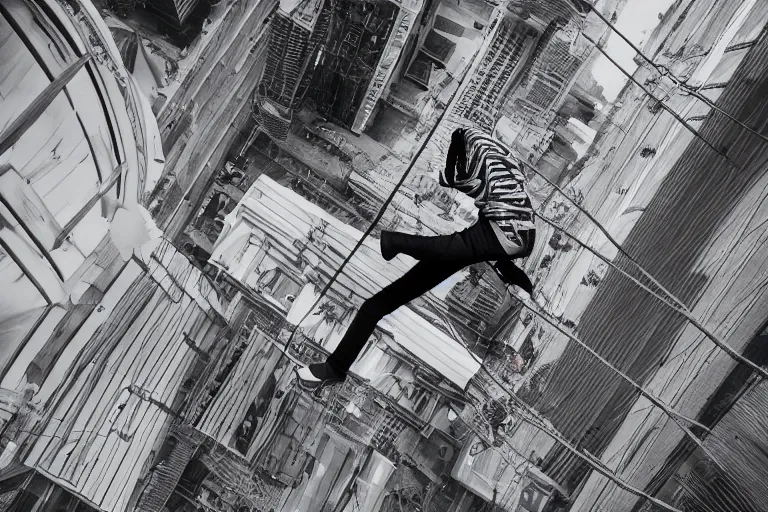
x=420, y=279
x=441, y=257
x=476, y=243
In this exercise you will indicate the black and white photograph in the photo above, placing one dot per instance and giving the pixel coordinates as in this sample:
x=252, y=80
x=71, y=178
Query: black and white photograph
x=383, y=256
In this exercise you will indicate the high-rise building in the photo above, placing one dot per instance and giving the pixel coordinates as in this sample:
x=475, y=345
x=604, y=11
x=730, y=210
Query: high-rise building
x=548, y=78
x=500, y=68
x=339, y=57
x=294, y=40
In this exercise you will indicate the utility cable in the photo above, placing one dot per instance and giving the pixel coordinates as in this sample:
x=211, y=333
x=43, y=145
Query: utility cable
x=660, y=102
x=681, y=308
x=678, y=305
x=660, y=69
x=673, y=415
x=664, y=71
x=590, y=459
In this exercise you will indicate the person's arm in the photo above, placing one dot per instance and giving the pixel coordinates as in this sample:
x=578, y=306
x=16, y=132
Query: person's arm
x=460, y=173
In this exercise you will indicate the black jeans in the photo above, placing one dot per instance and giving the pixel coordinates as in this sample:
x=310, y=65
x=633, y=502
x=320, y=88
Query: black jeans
x=439, y=258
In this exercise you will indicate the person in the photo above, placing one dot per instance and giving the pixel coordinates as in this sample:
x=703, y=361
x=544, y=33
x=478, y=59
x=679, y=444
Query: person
x=486, y=171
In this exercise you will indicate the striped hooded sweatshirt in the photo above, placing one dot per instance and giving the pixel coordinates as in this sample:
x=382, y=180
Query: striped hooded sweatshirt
x=486, y=171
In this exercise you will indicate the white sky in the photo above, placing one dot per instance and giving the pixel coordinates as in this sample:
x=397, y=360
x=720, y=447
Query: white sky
x=636, y=22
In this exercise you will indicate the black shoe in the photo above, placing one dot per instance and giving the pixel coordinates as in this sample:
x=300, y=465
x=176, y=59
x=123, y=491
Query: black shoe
x=317, y=375
x=388, y=250
x=512, y=274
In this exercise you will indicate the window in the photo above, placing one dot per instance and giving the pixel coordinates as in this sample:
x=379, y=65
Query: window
x=439, y=47
x=443, y=24
x=21, y=305
x=421, y=399
x=67, y=154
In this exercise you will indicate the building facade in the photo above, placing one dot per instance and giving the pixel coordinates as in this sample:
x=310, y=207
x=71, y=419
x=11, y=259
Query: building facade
x=89, y=383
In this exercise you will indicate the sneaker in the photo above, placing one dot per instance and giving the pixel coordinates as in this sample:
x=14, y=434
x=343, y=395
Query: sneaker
x=317, y=375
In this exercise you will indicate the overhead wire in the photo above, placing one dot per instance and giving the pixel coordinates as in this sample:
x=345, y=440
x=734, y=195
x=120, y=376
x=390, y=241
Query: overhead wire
x=532, y=417
x=660, y=102
x=664, y=71
x=676, y=417
x=677, y=304
x=681, y=308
